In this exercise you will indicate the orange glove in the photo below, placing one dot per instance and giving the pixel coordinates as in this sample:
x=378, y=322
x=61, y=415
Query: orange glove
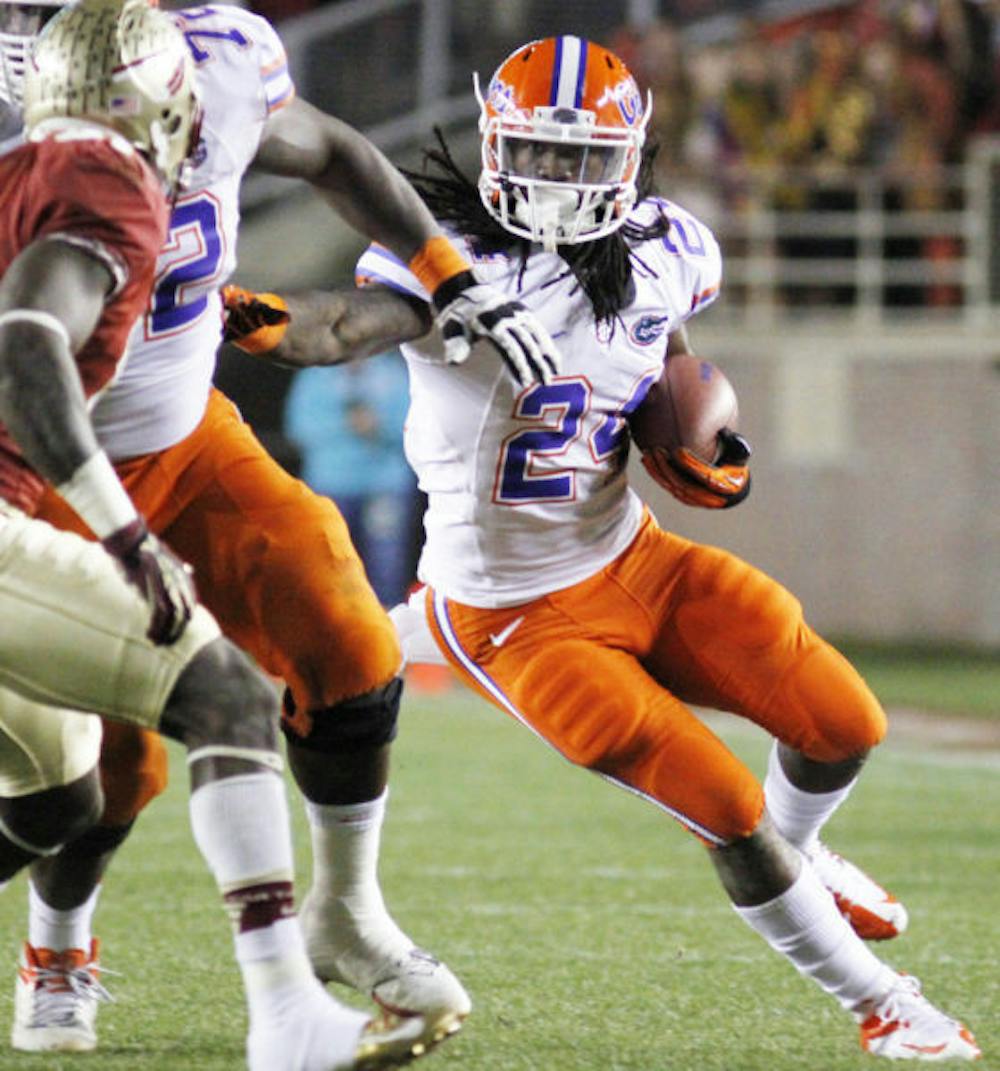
x=256, y=323
x=700, y=483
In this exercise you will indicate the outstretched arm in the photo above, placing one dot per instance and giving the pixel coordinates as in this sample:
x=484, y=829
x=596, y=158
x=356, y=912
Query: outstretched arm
x=328, y=328
x=373, y=197
x=360, y=183
x=323, y=327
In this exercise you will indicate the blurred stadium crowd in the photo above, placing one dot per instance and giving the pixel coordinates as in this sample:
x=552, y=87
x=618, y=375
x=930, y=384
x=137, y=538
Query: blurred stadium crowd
x=897, y=84
x=783, y=115
x=780, y=106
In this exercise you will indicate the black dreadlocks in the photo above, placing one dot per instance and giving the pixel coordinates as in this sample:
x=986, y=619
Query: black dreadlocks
x=602, y=268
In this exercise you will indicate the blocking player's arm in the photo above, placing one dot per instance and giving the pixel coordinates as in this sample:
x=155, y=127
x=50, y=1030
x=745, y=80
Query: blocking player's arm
x=51, y=299
x=54, y=285
x=330, y=327
x=361, y=184
x=372, y=196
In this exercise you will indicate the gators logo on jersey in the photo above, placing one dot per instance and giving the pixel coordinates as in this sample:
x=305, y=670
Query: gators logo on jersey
x=646, y=330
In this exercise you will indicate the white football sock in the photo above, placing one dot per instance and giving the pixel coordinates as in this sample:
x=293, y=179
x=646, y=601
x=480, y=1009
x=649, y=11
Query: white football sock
x=345, y=846
x=798, y=815
x=49, y=927
x=345, y=889
x=276, y=970
x=241, y=826
x=804, y=925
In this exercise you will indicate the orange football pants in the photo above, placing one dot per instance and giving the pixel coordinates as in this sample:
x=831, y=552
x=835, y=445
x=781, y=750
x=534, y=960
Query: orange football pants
x=604, y=671
x=274, y=563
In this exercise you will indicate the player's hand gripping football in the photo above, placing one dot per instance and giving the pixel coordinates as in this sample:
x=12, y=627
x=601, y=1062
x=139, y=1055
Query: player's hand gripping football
x=718, y=485
x=163, y=580
x=256, y=323
x=468, y=310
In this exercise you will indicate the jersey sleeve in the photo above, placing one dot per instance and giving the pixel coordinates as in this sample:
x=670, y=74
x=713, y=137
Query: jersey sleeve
x=239, y=59
x=701, y=260
x=688, y=255
x=272, y=61
x=279, y=89
x=378, y=266
x=94, y=196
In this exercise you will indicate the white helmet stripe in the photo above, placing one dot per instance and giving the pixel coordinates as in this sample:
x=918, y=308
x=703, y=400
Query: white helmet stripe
x=567, y=77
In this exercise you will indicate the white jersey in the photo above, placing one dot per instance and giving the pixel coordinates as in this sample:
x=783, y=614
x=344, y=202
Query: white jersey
x=160, y=395
x=527, y=489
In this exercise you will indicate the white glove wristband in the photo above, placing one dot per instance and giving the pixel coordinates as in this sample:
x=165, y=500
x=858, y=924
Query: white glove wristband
x=97, y=495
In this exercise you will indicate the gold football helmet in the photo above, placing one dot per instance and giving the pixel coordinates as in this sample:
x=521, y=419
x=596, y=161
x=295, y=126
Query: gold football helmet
x=122, y=64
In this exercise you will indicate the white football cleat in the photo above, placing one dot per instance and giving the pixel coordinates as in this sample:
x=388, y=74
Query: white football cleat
x=320, y=1034
x=384, y=964
x=874, y=913
x=904, y=1025
x=55, y=1000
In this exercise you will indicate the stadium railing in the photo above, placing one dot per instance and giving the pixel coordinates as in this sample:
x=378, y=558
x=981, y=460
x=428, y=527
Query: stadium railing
x=865, y=246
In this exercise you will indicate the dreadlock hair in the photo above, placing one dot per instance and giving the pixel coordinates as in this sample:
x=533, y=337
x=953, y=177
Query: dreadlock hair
x=602, y=268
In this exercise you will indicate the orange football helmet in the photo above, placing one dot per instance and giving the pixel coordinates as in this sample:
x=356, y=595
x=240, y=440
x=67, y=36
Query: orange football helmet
x=562, y=125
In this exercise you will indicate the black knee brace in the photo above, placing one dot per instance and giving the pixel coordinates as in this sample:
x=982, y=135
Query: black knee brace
x=367, y=720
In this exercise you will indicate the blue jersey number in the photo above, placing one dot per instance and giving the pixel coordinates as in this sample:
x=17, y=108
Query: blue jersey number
x=190, y=258
x=609, y=438
x=562, y=407
x=202, y=51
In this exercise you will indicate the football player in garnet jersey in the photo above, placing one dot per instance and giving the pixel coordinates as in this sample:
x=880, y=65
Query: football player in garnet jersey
x=273, y=560
x=111, y=118
x=550, y=587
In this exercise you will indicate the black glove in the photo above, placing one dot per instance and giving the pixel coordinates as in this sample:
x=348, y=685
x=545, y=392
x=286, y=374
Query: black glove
x=694, y=482
x=162, y=579
x=468, y=310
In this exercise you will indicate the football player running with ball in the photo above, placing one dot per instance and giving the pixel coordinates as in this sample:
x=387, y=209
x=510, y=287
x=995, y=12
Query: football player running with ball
x=550, y=588
x=273, y=561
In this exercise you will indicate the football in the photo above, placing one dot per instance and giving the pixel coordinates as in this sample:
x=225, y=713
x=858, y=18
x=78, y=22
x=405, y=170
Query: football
x=687, y=406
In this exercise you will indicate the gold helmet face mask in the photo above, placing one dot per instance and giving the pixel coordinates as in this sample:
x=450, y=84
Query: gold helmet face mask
x=122, y=65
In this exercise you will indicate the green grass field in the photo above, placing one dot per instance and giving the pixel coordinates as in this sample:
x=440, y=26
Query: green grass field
x=588, y=927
